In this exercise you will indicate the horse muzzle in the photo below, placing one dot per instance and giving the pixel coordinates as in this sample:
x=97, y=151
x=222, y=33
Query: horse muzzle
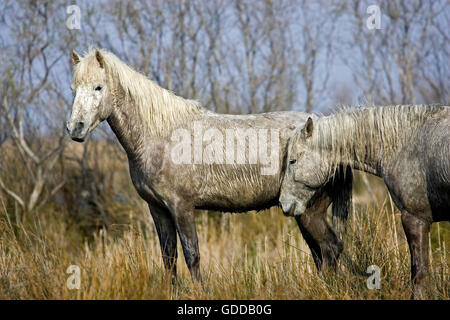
x=291, y=206
x=77, y=130
x=286, y=206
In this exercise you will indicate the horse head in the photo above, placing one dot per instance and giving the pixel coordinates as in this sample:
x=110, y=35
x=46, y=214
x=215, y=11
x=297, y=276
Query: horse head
x=305, y=175
x=92, y=103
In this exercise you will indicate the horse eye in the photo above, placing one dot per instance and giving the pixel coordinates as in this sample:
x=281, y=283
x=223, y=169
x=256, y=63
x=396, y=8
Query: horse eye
x=98, y=88
x=292, y=161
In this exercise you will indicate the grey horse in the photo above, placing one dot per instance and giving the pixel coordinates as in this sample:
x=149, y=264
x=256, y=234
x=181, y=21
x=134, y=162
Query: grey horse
x=407, y=146
x=183, y=157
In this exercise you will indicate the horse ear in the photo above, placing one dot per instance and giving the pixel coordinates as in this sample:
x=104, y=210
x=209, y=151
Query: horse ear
x=100, y=58
x=308, y=129
x=75, y=57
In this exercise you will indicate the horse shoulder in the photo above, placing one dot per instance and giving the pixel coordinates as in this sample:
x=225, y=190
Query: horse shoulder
x=404, y=176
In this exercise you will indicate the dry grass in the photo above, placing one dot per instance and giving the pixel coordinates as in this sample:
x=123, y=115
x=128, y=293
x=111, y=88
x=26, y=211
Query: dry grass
x=253, y=256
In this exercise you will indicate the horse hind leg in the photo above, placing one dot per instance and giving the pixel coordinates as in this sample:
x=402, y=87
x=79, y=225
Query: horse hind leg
x=312, y=244
x=417, y=233
x=331, y=246
x=323, y=242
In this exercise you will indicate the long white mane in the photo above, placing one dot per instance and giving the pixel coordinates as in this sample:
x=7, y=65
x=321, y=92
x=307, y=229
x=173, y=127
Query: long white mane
x=358, y=134
x=159, y=109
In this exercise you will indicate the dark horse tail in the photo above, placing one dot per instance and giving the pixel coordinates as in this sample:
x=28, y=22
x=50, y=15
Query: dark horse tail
x=341, y=193
x=340, y=190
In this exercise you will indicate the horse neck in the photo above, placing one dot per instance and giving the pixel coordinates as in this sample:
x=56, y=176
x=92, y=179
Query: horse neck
x=134, y=129
x=127, y=126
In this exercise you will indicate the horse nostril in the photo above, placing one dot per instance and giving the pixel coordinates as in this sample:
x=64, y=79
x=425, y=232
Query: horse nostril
x=80, y=124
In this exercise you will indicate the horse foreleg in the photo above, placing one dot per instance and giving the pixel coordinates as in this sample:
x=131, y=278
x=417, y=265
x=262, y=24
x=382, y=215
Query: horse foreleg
x=417, y=233
x=185, y=225
x=167, y=234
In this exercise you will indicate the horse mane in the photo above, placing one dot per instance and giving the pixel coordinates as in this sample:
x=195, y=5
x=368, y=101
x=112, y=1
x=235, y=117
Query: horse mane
x=358, y=134
x=159, y=109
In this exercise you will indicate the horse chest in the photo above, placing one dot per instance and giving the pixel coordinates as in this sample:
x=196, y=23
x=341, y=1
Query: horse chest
x=143, y=183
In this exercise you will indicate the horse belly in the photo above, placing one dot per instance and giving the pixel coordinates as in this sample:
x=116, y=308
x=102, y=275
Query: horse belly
x=239, y=192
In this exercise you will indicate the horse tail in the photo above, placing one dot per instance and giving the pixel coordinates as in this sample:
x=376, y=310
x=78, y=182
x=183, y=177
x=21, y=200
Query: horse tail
x=340, y=190
x=341, y=193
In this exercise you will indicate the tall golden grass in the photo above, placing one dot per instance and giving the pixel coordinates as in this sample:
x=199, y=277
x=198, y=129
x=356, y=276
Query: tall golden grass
x=253, y=256
x=243, y=256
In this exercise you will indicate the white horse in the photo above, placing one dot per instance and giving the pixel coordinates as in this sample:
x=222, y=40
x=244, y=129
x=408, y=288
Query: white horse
x=407, y=146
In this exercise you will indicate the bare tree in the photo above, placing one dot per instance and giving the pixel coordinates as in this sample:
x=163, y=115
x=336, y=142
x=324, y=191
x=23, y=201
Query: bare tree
x=24, y=92
x=394, y=62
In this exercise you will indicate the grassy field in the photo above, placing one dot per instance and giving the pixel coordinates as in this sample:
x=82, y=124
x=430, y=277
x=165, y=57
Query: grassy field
x=243, y=256
x=252, y=256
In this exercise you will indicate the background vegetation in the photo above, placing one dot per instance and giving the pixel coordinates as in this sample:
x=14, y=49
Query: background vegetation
x=64, y=203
